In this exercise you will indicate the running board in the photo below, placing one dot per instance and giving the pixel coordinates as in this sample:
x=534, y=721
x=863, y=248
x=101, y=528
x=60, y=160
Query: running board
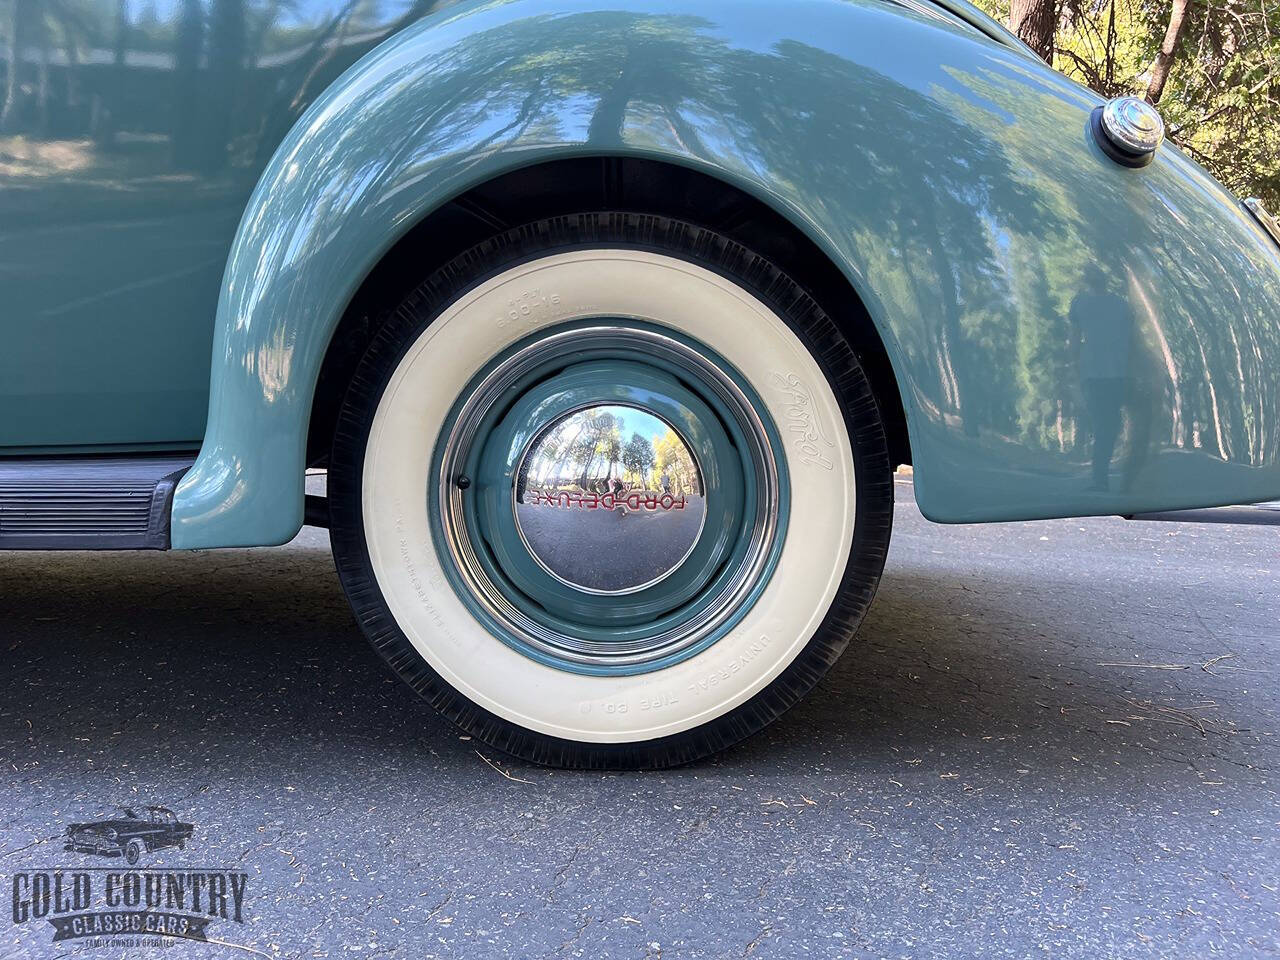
x=1260, y=514
x=98, y=503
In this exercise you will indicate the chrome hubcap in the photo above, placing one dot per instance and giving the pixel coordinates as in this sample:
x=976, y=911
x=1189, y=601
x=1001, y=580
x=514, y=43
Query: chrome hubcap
x=609, y=497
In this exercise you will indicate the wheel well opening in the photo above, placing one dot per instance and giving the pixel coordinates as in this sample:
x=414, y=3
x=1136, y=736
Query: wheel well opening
x=585, y=185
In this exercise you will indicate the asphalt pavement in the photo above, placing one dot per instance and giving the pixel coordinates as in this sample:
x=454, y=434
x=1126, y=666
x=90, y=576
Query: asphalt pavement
x=628, y=546
x=1049, y=740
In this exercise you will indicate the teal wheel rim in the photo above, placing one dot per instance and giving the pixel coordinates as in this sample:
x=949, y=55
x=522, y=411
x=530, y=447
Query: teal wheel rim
x=653, y=375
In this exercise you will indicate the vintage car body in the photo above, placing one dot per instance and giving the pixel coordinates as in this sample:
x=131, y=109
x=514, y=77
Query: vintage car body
x=941, y=210
x=187, y=274
x=130, y=835
x=958, y=192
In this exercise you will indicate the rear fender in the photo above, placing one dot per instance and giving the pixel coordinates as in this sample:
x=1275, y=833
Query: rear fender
x=950, y=178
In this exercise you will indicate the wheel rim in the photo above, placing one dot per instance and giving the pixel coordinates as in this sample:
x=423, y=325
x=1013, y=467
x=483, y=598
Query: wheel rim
x=534, y=539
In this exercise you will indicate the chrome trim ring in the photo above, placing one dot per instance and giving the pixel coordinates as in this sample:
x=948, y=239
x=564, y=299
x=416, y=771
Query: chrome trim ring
x=570, y=645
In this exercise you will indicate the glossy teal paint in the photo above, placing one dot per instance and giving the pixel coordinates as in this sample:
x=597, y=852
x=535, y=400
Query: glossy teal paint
x=952, y=179
x=595, y=377
x=131, y=136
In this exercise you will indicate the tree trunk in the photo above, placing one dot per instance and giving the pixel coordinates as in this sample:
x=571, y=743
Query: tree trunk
x=42, y=84
x=12, y=51
x=1164, y=59
x=1034, y=22
x=187, y=88
x=227, y=43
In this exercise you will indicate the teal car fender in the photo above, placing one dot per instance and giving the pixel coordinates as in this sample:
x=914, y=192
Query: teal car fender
x=1069, y=336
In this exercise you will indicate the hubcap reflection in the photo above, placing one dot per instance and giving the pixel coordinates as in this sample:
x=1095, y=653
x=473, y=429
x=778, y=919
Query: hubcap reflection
x=609, y=499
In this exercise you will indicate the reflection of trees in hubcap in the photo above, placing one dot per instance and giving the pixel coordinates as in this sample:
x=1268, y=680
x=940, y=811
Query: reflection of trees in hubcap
x=609, y=499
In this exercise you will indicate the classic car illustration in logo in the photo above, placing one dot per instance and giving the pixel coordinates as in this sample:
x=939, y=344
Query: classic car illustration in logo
x=134, y=906
x=130, y=836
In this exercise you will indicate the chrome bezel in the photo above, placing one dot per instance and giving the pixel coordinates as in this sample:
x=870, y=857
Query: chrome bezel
x=1117, y=121
x=1264, y=217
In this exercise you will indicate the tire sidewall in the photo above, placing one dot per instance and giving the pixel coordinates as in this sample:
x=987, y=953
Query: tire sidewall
x=742, y=682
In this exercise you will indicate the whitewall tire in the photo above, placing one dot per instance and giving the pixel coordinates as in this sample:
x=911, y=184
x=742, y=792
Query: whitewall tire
x=512, y=353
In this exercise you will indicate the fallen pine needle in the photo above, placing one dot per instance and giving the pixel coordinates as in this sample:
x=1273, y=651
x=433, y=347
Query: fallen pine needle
x=239, y=946
x=1209, y=663
x=1165, y=714
x=499, y=769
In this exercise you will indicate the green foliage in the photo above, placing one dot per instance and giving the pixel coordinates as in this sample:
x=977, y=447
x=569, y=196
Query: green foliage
x=638, y=457
x=672, y=461
x=1222, y=101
